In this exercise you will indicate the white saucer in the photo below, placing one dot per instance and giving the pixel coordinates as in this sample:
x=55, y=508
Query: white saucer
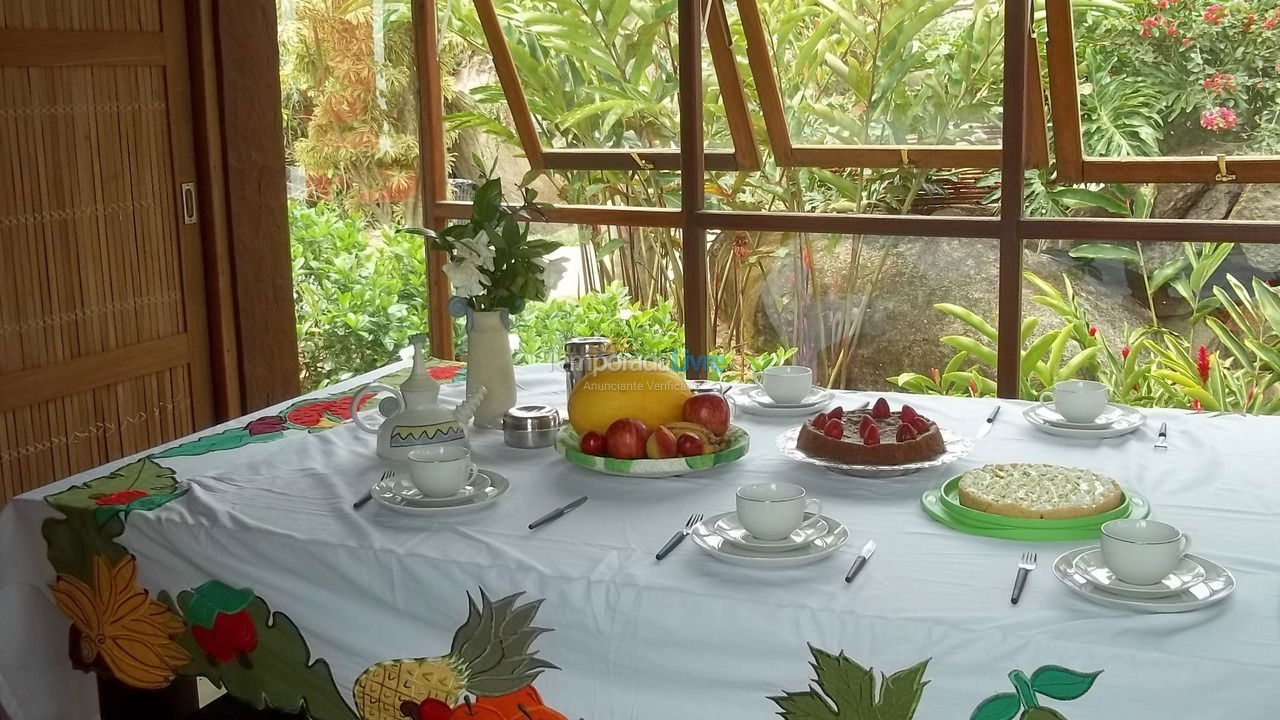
x=1091, y=565
x=1126, y=420
x=1109, y=417
x=730, y=528
x=398, y=495
x=1218, y=583
x=722, y=548
x=817, y=396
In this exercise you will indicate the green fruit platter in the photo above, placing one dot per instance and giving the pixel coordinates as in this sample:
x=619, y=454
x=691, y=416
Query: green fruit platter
x=943, y=505
x=735, y=444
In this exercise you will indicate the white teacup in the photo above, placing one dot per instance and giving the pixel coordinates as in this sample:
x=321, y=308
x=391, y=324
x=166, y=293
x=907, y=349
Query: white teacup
x=1079, y=401
x=1142, y=552
x=772, y=511
x=440, y=471
x=787, y=384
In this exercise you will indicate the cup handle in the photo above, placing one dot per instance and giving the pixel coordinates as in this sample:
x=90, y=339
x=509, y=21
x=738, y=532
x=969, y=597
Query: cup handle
x=817, y=513
x=1186, y=543
x=1046, y=396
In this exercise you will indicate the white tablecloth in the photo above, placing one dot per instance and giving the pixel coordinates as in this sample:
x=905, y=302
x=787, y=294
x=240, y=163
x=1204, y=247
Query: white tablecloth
x=691, y=637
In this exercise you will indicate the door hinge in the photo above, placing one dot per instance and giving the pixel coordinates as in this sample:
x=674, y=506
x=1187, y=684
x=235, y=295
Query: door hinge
x=189, y=214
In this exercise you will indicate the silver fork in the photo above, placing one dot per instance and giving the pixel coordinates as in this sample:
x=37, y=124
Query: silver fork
x=1026, y=564
x=1162, y=437
x=368, y=495
x=680, y=535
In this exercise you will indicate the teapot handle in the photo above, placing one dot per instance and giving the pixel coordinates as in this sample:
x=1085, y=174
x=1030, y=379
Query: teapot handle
x=365, y=390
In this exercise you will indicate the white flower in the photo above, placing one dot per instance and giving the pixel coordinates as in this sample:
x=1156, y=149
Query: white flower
x=466, y=277
x=478, y=250
x=553, y=270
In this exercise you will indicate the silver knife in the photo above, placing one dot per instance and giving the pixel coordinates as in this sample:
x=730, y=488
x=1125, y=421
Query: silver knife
x=557, y=513
x=861, y=560
x=986, y=424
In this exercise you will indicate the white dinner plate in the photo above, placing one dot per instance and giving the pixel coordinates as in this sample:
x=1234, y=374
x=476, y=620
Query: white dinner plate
x=730, y=528
x=393, y=494
x=705, y=537
x=1130, y=419
x=1109, y=417
x=817, y=396
x=1094, y=569
x=1218, y=583
x=956, y=448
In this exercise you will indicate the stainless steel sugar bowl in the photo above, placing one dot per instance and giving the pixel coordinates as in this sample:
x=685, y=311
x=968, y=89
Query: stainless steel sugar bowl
x=582, y=355
x=531, y=426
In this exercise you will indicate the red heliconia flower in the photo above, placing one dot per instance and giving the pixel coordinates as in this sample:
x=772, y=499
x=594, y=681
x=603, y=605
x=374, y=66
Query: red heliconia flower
x=1218, y=119
x=1093, y=331
x=1195, y=404
x=124, y=497
x=935, y=376
x=1124, y=352
x=1202, y=363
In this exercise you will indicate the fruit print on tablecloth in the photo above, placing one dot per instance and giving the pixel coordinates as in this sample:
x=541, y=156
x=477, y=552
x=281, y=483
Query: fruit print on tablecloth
x=1052, y=681
x=844, y=690
x=258, y=656
x=486, y=675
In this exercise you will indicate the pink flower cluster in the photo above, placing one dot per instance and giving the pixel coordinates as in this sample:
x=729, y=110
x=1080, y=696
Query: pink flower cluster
x=1215, y=14
x=1219, y=119
x=1219, y=83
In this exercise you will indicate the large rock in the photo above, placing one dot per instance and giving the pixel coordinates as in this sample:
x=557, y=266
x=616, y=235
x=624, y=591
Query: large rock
x=900, y=328
x=1216, y=203
x=1176, y=199
x=1260, y=202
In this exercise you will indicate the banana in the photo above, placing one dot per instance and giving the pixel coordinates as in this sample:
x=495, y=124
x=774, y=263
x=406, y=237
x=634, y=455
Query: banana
x=710, y=441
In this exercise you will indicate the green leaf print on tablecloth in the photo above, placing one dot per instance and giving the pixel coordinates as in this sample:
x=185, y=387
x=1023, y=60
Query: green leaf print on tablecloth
x=1052, y=681
x=140, y=485
x=846, y=690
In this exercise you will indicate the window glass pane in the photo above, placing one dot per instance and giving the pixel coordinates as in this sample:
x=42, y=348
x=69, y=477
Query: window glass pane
x=876, y=191
x=888, y=73
x=351, y=127
x=861, y=310
x=1163, y=324
x=1173, y=77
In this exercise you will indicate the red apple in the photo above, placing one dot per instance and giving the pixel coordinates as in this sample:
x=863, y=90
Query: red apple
x=592, y=443
x=625, y=439
x=709, y=410
x=689, y=444
x=661, y=444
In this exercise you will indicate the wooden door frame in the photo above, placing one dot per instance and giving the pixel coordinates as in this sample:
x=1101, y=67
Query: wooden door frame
x=243, y=196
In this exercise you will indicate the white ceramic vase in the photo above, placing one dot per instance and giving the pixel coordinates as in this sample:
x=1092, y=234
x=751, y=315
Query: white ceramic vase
x=489, y=366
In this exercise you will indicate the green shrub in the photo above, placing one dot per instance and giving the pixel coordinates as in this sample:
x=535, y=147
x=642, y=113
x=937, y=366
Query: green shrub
x=643, y=332
x=358, y=292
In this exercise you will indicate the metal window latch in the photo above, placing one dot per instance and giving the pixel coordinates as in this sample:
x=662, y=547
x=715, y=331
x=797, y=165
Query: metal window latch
x=640, y=162
x=1223, y=175
x=906, y=161
x=189, y=215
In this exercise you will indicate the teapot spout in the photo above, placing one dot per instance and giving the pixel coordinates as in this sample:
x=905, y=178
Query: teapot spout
x=467, y=408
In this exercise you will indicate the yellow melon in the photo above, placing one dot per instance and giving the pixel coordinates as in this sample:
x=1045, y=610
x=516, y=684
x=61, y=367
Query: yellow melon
x=639, y=389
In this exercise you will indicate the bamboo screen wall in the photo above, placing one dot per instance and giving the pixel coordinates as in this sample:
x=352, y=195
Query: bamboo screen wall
x=103, y=346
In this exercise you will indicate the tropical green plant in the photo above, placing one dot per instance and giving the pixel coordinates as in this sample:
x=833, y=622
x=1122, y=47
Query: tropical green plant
x=1117, y=116
x=358, y=293
x=637, y=330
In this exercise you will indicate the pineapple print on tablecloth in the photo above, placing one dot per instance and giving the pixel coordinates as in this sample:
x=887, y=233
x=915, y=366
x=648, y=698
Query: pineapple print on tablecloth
x=490, y=657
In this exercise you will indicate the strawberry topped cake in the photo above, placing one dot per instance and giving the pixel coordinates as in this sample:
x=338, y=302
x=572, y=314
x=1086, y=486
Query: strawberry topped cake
x=878, y=436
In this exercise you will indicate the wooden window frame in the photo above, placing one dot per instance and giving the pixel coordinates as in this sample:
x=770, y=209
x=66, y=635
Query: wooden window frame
x=745, y=155
x=1076, y=167
x=1010, y=228
x=789, y=154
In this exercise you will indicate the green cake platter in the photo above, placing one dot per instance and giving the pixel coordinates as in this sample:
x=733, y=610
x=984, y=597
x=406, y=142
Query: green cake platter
x=943, y=505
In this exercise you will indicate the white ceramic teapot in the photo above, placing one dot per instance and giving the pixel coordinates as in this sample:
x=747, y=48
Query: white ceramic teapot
x=414, y=416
